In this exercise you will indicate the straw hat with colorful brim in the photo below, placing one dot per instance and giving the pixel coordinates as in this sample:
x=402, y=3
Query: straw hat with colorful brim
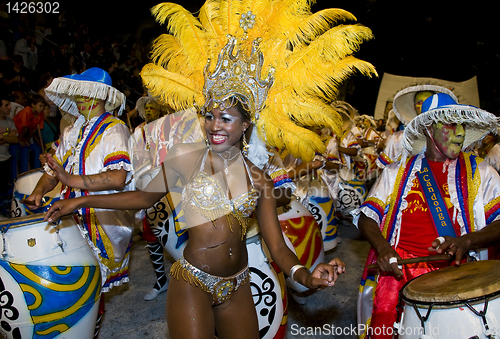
x=93, y=83
x=442, y=108
x=404, y=101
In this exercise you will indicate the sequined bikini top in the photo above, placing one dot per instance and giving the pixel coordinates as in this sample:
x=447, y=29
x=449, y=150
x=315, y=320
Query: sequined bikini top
x=205, y=195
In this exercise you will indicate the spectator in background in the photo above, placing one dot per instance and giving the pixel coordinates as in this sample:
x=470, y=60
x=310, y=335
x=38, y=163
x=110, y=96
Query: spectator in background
x=26, y=48
x=50, y=131
x=45, y=81
x=8, y=135
x=380, y=125
x=18, y=102
x=86, y=55
x=16, y=77
x=27, y=121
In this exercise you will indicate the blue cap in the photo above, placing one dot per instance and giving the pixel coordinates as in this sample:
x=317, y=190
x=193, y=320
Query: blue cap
x=437, y=100
x=93, y=74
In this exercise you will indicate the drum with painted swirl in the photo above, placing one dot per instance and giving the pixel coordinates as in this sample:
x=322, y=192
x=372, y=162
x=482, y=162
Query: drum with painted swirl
x=50, y=281
x=322, y=207
x=23, y=186
x=303, y=236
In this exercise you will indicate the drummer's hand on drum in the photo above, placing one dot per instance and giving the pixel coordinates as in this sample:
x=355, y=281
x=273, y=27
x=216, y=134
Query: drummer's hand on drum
x=59, y=171
x=457, y=247
x=61, y=208
x=35, y=198
x=386, y=261
x=44, y=157
x=325, y=275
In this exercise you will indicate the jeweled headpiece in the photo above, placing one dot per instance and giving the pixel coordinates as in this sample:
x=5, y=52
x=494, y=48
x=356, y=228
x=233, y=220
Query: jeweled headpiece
x=238, y=75
x=309, y=55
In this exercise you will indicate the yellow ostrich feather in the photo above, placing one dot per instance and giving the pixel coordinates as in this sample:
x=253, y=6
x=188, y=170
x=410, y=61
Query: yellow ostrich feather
x=311, y=54
x=186, y=29
x=208, y=13
x=173, y=89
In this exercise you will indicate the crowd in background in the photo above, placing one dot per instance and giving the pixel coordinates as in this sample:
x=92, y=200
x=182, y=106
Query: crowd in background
x=35, y=48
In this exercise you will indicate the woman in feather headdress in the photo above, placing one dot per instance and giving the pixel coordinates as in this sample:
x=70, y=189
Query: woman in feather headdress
x=306, y=57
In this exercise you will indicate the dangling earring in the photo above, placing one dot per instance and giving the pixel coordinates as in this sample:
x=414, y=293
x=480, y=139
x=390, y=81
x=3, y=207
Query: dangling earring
x=244, y=148
x=207, y=143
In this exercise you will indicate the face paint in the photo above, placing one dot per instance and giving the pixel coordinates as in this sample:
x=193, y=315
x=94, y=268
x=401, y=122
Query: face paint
x=151, y=112
x=419, y=99
x=449, y=139
x=88, y=107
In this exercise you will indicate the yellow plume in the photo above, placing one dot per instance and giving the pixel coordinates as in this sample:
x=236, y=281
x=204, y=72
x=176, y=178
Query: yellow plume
x=311, y=54
x=173, y=89
x=186, y=29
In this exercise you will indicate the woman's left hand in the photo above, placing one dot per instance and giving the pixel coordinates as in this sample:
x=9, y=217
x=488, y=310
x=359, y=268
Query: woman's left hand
x=325, y=275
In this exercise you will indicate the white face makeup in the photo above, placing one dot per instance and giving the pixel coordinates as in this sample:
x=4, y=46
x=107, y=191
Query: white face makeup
x=224, y=128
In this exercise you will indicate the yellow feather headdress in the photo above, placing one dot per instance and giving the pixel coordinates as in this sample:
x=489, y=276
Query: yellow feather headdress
x=306, y=56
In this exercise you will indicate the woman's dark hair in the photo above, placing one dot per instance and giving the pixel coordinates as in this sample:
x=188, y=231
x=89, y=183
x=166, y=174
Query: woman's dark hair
x=242, y=108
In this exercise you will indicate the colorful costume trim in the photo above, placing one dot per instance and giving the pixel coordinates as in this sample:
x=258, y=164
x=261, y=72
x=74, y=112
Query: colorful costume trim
x=474, y=189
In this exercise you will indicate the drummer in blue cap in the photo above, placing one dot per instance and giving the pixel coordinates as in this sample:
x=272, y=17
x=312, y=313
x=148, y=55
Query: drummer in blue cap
x=92, y=157
x=436, y=198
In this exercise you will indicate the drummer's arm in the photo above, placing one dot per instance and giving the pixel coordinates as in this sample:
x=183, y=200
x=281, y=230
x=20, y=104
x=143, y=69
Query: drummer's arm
x=460, y=246
x=332, y=166
x=371, y=231
x=109, y=180
x=46, y=184
x=364, y=143
x=348, y=151
x=304, y=168
x=323, y=275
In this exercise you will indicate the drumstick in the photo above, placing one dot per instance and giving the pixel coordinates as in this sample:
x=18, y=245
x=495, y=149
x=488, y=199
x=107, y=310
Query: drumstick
x=41, y=139
x=29, y=202
x=417, y=260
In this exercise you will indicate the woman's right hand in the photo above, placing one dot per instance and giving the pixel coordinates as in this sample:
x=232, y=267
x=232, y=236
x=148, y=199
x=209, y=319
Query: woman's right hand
x=61, y=208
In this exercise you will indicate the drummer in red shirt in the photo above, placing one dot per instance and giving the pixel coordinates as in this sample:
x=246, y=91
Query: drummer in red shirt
x=437, y=198
x=27, y=121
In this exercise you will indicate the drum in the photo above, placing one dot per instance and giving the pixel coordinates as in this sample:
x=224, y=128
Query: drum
x=169, y=225
x=267, y=282
x=303, y=236
x=322, y=207
x=50, y=280
x=23, y=186
x=352, y=193
x=371, y=155
x=454, y=302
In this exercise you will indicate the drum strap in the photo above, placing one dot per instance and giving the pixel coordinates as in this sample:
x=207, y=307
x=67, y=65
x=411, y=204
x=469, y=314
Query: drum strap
x=435, y=202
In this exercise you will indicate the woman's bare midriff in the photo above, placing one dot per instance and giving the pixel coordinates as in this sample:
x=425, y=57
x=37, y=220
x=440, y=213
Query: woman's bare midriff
x=215, y=249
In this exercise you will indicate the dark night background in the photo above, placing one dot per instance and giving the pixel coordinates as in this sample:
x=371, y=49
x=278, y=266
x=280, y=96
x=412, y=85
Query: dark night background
x=450, y=40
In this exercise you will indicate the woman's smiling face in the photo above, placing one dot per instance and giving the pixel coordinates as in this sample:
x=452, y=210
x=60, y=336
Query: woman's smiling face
x=224, y=128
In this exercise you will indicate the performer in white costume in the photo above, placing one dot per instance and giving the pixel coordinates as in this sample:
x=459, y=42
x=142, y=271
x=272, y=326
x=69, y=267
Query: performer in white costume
x=400, y=222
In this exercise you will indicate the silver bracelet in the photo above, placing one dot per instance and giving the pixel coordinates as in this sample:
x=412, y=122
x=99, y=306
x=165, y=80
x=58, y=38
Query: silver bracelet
x=293, y=270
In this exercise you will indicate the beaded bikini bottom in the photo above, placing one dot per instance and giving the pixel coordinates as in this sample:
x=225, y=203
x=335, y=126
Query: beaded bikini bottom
x=221, y=288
